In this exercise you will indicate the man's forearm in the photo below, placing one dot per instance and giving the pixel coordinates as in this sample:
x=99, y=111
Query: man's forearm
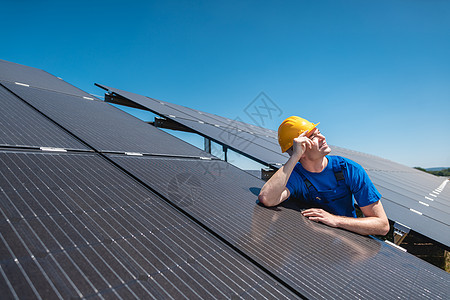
x=270, y=194
x=378, y=225
x=364, y=226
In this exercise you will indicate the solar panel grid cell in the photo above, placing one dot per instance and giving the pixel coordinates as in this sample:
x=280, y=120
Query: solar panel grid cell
x=22, y=126
x=104, y=234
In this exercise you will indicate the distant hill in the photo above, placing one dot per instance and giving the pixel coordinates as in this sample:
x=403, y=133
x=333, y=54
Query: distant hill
x=436, y=169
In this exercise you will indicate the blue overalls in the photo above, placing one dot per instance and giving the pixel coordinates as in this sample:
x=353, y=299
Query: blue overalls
x=338, y=201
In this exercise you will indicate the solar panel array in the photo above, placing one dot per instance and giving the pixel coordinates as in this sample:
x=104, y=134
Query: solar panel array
x=410, y=197
x=164, y=220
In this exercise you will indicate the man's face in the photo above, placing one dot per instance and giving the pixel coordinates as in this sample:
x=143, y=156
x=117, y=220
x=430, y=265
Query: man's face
x=319, y=148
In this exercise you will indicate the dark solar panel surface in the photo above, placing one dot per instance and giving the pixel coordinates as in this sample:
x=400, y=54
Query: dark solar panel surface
x=238, y=141
x=170, y=109
x=318, y=261
x=427, y=220
x=13, y=72
x=22, y=126
x=372, y=162
x=74, y=226
x=413, y=197
x=103, y=126
x=231, y=133
x=178, y=111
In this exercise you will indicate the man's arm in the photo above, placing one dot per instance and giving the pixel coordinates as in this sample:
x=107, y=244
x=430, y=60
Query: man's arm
x=374, y=222
x=274, y=190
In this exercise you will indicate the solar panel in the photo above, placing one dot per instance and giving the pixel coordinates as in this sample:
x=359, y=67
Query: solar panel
x=240, y=142
x=261, y=145
x=22, y=126
x=74, y=226
x=171, y=110
x=304, y=254
x=25, y=75
x=231, y=133
x=102, y=126
x=415, y=197
x=372, y=162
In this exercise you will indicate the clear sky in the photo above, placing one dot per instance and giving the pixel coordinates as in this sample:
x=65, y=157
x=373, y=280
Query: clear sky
x=376, y=74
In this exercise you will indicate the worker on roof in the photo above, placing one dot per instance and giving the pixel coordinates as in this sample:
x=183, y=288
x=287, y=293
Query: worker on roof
x=324, y=183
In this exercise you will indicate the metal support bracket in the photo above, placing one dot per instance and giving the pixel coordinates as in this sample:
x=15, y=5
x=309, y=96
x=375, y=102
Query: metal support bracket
x=266, y=173
x=400, y=232
x=207, y=145
x=225, y=152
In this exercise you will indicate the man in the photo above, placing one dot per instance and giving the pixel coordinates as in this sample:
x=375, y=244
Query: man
x=327, y=184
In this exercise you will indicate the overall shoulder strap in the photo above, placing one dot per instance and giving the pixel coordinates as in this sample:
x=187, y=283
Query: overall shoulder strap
x=312, y=191
x=338, y=166
x=305, y=180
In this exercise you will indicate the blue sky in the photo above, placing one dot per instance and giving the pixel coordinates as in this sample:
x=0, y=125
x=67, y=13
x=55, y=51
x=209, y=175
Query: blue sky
x=376, y=74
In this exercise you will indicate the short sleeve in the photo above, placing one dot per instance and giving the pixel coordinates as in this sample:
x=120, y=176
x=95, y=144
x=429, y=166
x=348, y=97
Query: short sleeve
x=363, y=190
x=294, y=184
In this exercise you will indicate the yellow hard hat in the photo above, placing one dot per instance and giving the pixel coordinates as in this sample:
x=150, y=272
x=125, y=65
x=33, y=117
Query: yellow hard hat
x=290, y=129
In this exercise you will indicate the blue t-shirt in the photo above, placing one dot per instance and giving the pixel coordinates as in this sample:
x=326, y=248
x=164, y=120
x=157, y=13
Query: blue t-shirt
x=336, y=198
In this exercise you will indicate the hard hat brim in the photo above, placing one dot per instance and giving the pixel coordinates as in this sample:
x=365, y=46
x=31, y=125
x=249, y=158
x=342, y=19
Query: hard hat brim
x=308, y=134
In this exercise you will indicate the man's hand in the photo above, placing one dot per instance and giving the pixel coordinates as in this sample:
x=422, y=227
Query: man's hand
x=301, y=144
x=320, y=215
x=374, y=221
